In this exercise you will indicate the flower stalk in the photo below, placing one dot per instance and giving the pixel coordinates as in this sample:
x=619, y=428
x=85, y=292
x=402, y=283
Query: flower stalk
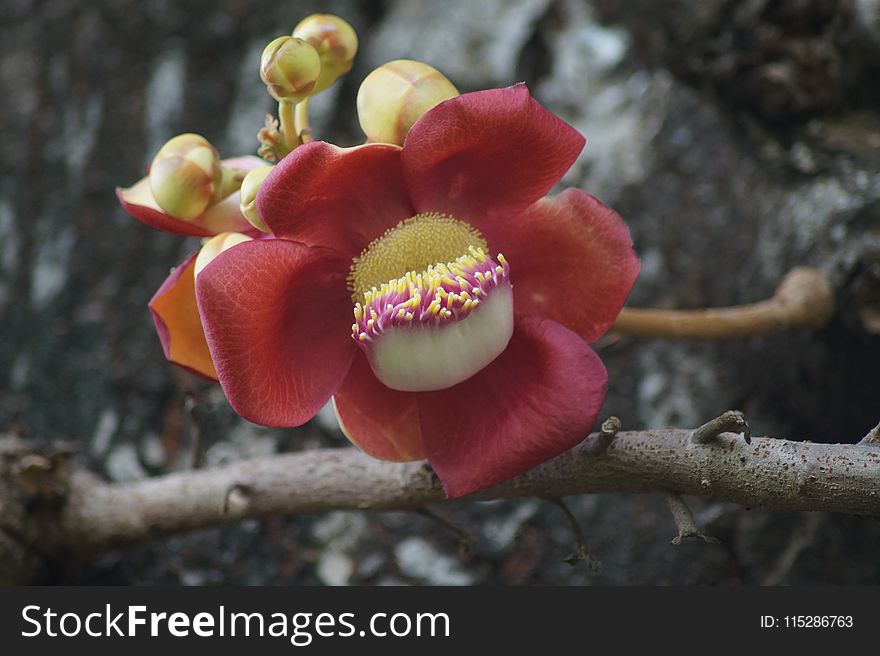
x=301, y=122
x=288, y=125
x=803, y=300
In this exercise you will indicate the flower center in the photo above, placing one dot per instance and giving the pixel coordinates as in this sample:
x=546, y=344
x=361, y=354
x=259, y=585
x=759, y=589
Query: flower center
x=431, y=307
x=412, y=245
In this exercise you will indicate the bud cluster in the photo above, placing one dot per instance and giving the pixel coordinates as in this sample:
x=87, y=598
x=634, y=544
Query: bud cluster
x=335, y=42
x=320, y=50
x=187, y=177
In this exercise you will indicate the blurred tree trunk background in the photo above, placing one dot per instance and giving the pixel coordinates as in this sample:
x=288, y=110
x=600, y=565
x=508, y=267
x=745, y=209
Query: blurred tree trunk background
x=737, y=139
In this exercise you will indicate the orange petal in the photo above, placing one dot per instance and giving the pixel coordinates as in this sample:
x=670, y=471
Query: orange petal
x=178, y=323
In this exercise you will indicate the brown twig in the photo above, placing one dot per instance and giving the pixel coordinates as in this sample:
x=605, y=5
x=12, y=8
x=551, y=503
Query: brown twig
x=804, y=299
x=732, y=421
x=684, y=520
x=581, y=553
x=609, y=429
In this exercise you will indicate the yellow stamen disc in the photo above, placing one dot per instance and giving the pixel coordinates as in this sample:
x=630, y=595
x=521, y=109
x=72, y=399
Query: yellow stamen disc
x=413, y=245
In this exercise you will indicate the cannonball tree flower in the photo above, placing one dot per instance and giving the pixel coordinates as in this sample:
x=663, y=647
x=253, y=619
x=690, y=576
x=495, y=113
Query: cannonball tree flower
x=200, y=194
x=433, y=291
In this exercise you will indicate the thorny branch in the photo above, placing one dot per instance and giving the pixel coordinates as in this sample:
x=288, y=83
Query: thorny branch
x=732, y=421
x=581, y=553
x=684, y=520
x=607, y=432
x=50, y=507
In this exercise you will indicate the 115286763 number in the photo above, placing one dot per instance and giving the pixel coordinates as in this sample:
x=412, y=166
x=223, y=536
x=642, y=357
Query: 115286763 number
x=807, y=622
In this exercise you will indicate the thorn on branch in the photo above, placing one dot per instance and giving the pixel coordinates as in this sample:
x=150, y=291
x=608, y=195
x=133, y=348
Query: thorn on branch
x=608, y=431
x=466, y=537
x=872, y=438
x=41, y=471
x=581, y=553
x=684, y=521
x=732, y=421
x=237, y=500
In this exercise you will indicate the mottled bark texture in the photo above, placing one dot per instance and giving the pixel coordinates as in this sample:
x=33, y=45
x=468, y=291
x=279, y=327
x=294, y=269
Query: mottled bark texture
x=52, y=512
x=738, y=139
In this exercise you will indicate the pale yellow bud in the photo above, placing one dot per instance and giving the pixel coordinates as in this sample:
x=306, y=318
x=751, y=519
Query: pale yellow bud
x=216, y=245
x=396, y=95
x=290, y=67
x=249, y=188
x=336, y=43
x=186, y=177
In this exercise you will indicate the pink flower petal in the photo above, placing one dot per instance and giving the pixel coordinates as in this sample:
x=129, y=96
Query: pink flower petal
x=571, y=260
x=225, y=216
x=381, y=421
x=178, y=324
x=487, y=155
x=342, y=198
x=536, y=400
x=277, y=317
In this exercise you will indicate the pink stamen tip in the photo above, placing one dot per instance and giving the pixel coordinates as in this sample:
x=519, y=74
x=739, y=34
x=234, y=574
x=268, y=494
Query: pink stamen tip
x=441, y=294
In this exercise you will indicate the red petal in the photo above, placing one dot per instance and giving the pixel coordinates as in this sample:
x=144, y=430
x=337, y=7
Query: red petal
x=177, y=320
x=277, y=317
x=487, y=154
x=571, y=260
x=381, y=421
x=342, y=198
x=536, y=400
x=225, y=216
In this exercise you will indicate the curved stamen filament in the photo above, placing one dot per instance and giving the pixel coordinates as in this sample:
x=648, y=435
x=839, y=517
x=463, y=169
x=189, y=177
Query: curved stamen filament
x=437, y=295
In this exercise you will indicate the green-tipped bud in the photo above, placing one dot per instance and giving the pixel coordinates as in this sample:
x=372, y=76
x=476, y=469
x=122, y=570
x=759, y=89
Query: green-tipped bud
x=290, y=67
x=396, y=95
x=249, y=188
x=216, y=245
x=336, y=43
x=186, y=177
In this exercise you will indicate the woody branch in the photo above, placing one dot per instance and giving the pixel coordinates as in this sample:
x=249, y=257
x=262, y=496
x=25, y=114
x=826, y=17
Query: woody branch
x=95, y=516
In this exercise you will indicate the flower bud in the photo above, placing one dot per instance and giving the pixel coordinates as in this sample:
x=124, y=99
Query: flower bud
x=216, y=245
x=249, y=188
x=186, y=177
x=336, y=43
x=290, y=67
x=396, y=95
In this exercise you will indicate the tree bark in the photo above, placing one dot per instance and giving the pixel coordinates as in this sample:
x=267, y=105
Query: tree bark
x=768, y=473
